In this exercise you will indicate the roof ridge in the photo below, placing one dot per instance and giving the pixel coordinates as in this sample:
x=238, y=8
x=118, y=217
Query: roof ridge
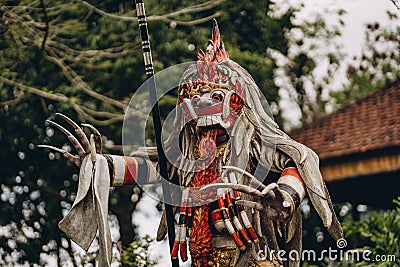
x=367, y=124
x=348, y=105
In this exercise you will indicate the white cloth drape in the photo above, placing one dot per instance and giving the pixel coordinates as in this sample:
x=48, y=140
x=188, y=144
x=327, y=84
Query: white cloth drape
x=89, y=211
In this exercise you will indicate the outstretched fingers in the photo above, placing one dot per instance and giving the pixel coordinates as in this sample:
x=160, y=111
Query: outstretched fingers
x=71, y=138
x=239, y=187
x=78, y=130
x=66, y=154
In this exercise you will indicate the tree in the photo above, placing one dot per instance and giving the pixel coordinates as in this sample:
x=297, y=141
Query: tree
x=305, y=74
x=137, y=254
x=378, y=65
x=375, y=240
x=379, y=233
x=75, y=58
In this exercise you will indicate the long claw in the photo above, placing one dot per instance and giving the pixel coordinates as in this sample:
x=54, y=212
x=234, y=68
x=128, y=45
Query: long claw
x=243, y=172
x=58, y=126
x=216, y=186
x=78, y=130
x=92, y=148
x=268, y=191
x=52, y=148
x=97, y=137
x=250, y=204
x=92, y=128
x=71, y=138
x=66, y=154
x=68, y=120
x=239, y=187
x=237, y=169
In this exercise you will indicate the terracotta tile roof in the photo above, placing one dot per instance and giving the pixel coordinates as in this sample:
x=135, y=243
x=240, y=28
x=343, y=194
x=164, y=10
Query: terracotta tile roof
x=365, y=125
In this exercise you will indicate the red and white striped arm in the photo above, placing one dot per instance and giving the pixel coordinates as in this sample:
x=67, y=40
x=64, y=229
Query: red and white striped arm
x=130, y=170
x=292, y=184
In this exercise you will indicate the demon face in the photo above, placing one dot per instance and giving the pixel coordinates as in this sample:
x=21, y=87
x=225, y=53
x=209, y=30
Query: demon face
x=211, y=104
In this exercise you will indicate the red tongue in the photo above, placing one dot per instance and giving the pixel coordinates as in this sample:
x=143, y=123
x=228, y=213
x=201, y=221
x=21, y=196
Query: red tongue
x=206, y=149
x=200, y=244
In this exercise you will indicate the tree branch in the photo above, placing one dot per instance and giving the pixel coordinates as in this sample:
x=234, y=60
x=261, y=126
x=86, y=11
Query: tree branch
x=81, y=110
x=196, y=21
x=46, y=20
x=12, y=101
x=76, y=80
x=167, y=17
x=32, y=90
x=91, y=119
x=27, y=7
x=396, y=4
x=91, y=55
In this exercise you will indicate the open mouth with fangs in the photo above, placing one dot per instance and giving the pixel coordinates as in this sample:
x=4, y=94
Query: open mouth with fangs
x=208, y=116
x=221, y=133
x=214, y=117
x=212, y=120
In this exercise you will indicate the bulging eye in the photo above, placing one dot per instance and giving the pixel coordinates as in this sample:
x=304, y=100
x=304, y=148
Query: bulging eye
x=236, y=103
x=195, y=98
x=217, y=95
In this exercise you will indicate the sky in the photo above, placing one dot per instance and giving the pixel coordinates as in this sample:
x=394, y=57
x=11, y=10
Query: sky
x=359, y=13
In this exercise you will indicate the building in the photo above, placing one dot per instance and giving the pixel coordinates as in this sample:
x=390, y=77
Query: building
x=359, y=148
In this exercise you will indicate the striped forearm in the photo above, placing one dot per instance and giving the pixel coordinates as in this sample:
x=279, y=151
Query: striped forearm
x=292, y=184
x=130, y=170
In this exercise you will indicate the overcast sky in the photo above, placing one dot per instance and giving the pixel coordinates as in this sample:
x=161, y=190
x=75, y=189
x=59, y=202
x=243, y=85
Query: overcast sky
x=359, y=14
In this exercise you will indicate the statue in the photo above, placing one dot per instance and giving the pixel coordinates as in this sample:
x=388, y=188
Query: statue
x=224, y=144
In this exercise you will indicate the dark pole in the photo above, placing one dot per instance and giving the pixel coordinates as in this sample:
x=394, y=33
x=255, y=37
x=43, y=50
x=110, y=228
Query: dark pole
x=162, y=160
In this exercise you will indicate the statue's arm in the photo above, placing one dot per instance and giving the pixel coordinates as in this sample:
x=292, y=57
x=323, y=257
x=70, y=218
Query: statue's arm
x=123, y=170
x=292, y=186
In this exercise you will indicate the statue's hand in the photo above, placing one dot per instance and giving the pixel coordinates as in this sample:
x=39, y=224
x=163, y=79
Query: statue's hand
x=274, y=202
x=81, y=143
x=270, y=199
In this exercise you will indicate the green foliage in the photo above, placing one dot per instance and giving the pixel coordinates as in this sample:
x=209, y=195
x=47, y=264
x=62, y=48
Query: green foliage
x=379, y=233
x=312, y=43
x=33, y=190
x=378, y=65
x=137, y=254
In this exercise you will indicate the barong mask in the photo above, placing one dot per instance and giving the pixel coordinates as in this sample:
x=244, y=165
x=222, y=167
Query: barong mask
x=208, y=97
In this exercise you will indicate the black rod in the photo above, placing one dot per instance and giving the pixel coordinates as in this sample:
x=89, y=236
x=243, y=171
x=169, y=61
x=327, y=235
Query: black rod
x=155, y=110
